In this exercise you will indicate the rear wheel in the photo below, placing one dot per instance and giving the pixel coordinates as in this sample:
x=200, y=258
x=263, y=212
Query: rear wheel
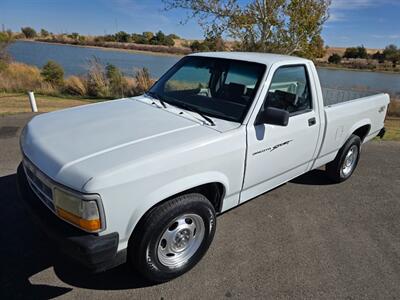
x=173, y=237
x=346, y=160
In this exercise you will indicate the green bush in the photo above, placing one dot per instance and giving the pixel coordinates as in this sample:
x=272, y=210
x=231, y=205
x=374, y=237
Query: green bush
x=116, y=80
x=122, y=37
x=161, y=39
x=53, y=73
x=29, y=32
x=355, y=52
x=335, y=59
x=44, y=33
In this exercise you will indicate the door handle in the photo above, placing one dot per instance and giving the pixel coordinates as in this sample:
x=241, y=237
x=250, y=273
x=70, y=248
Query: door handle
x=312, y=122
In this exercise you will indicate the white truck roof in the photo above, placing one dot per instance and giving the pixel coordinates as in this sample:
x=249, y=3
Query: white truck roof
x=263, y=58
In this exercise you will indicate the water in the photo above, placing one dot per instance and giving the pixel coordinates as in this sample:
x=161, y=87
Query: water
x=75, y=61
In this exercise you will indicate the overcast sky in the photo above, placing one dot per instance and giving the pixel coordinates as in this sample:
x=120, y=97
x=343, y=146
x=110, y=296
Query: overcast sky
x=374, y=23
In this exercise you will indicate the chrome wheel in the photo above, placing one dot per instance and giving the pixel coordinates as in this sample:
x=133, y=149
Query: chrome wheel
x=180, y=240
x=349, y=161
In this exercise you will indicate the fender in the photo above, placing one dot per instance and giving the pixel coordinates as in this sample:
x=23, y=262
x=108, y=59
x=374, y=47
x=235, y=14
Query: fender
x=356, y=126
x=172, y=188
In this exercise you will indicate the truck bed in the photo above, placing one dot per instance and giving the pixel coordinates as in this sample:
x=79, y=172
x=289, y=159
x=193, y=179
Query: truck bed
x=335, y=96
x=346, y=111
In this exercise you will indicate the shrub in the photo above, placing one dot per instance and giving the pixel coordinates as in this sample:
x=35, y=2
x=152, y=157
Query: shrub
x=53, y=73
x=117, y=82
x=394, y=107
x=173, y=36
x=392, y=53
x=44, y=33
x=161, y=39
x=18, y=77
x=143, y=81
x=96, y=80
x=29, y=32
x=75, y=85
x=6, y=38
x=335, y=59
x=122, y=37
x=196, y=46
x=355, y=52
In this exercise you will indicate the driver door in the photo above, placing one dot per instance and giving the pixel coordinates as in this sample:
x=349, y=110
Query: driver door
x=277, y=154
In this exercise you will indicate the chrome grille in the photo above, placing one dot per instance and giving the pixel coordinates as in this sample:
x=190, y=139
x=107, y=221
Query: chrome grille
x=39, y=184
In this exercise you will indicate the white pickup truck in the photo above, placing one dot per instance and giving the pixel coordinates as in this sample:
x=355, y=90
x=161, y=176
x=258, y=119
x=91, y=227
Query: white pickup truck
x=141, y=179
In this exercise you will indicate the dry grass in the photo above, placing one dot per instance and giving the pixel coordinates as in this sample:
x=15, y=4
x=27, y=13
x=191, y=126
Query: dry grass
x=142, y=81
x=75, y=85
x=394, y=107
x=19, y=77
x=392, y=126
x=12, y=103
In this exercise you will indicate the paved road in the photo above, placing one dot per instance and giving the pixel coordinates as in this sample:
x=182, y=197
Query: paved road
x=306, y=239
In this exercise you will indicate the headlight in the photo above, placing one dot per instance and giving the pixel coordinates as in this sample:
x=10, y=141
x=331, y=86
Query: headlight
x=82, y=213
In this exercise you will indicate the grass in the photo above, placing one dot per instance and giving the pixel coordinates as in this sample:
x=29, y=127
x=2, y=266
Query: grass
x=392, y=126
x=13, y=103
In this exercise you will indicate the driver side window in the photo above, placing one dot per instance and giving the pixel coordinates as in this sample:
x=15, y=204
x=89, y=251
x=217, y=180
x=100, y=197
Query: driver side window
x=290, y=90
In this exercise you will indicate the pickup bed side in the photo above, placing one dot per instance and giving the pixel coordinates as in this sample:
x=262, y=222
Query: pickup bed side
x=341, y=123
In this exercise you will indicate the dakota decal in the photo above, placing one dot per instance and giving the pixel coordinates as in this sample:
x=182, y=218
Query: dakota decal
x=270, y=149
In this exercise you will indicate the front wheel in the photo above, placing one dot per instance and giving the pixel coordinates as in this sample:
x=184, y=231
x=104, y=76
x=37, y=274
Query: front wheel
x=346, y=160
x=173, y=237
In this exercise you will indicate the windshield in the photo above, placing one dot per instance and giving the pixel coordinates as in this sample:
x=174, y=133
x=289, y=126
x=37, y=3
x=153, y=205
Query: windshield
x=216, y=87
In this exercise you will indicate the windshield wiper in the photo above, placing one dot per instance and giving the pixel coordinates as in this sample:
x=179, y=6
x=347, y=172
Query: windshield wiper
x=157, y=97
x=193, y=109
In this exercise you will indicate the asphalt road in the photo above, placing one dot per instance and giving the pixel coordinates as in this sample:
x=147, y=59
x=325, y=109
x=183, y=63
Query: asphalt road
x=306, y=239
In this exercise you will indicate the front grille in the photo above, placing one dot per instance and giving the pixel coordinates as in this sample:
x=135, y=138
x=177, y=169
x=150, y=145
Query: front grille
x=38, y=184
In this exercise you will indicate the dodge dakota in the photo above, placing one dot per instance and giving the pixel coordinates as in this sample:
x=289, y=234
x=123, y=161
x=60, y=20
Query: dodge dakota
x=141, y=179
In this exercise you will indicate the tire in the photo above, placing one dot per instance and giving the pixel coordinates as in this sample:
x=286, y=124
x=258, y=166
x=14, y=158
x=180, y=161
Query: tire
x=172, y=237
x=346, y=160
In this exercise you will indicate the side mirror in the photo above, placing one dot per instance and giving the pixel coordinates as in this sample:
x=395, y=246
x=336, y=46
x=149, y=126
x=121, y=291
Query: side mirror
x=273, y=116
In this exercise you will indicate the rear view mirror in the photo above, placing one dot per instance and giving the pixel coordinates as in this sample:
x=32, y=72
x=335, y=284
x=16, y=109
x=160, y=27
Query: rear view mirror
x=273, y=116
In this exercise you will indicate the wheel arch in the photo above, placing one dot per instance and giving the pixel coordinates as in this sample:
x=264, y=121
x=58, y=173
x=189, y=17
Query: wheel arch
x=214, y=190
x=361, y=129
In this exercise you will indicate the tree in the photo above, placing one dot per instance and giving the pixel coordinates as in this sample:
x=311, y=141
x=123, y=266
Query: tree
x=53, y=73
x=173, y=36
x=122, y=37
x=282, y=26
x=140, y=39
x=361, y=52
x=392, y=53
x=351, y=52
x=335, y=59
x=74, y=35
x=380, y=57
x=161, y=39
x=44, y=33
x=29, y=32
x=147, y=35
x=6, y=38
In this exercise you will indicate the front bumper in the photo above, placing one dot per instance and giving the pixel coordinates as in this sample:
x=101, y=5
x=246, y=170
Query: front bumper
x=98, y=253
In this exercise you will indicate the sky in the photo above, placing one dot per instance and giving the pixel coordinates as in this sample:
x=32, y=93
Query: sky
x=372, y=23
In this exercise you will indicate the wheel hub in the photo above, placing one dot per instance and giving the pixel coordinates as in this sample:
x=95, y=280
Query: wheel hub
x=349, y=161
x=180, y=240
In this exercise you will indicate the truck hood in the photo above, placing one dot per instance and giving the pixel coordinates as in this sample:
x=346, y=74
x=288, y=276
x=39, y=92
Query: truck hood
x=58, y=142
